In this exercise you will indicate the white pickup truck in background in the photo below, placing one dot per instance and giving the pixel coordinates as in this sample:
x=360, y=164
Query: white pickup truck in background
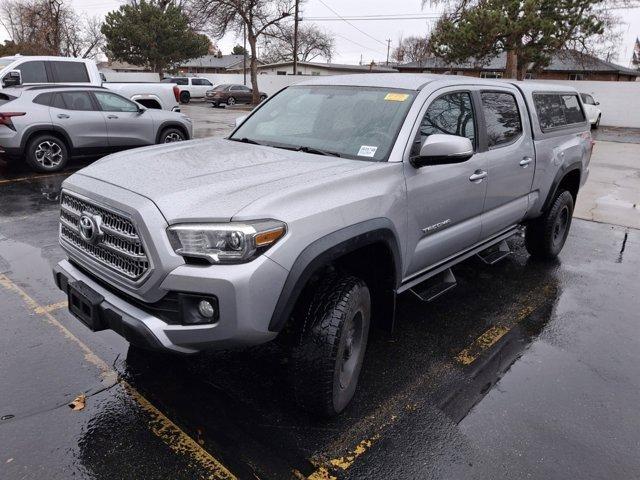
x=35, y=70
x=190, y=87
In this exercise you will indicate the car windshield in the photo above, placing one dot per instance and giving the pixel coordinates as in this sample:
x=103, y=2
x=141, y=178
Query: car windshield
x=347, y=121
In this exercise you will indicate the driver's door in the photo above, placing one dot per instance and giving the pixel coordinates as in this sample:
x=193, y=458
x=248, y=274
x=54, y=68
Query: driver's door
x=127, y=124
x=445, y=201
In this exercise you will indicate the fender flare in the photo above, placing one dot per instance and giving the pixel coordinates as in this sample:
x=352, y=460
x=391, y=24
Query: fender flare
x=44, y=128
x=169, y=123
x=325, y=250
x=560, y=174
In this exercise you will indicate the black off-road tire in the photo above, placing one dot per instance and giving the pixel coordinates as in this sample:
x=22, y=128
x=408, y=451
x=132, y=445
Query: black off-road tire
x=185, y=97
x=328, y=352
x=58, y=158
x=545, y=236
x=596, y=125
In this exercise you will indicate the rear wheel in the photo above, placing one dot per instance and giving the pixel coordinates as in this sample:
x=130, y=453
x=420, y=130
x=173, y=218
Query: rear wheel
x=46, y=153
x=185, y=97
x=545, y=236
x=329, y=350
x=170, y=135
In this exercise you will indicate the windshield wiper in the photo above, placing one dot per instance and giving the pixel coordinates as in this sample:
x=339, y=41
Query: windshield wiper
x=317, y=151
x=246, y=140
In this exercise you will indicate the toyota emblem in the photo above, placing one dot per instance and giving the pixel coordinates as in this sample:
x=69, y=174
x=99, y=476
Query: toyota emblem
x=89, y=226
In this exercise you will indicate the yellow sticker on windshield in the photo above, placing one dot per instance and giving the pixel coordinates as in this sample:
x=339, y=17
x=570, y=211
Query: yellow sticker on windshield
x=396, y=97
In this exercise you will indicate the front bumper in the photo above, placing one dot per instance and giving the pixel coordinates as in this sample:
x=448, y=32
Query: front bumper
x=246, y=295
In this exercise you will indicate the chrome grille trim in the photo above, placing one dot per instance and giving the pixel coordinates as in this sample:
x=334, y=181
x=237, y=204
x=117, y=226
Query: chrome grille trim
x=120, y=248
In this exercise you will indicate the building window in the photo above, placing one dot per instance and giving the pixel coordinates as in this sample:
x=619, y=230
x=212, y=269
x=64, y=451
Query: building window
x=490, y=74
x=576, y=76
x=315, y=73
x=281, y=72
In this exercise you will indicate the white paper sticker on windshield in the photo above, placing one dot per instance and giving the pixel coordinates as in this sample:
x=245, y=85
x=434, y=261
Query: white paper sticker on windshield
x=367, y=151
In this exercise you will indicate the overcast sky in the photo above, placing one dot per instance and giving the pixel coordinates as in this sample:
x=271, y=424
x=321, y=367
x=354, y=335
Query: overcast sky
x=352, y=43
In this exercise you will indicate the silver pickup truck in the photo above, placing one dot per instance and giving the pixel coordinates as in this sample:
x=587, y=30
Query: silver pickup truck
x=305, y=224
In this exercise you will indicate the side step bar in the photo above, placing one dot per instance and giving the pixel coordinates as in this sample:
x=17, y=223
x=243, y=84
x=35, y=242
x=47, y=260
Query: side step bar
x=435, y=286
x=495, y=253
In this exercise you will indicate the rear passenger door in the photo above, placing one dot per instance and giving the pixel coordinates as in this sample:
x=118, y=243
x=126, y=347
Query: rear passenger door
x=510, y=159
x=78, y=115
x=127, y=125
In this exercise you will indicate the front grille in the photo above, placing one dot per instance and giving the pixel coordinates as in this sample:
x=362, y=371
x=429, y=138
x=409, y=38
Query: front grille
x=117, y=245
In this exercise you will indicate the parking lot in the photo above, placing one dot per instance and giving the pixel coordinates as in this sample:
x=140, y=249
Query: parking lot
x=525, y=370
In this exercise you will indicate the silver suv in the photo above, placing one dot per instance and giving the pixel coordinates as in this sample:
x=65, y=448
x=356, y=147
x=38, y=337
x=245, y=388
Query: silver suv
x=46, y=125
x=331, y=199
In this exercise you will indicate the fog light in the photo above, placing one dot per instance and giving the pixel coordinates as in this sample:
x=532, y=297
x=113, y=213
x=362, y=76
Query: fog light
x=206, y=309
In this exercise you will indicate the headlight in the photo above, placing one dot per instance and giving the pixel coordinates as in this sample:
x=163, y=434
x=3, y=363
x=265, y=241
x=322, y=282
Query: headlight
x=225, y=242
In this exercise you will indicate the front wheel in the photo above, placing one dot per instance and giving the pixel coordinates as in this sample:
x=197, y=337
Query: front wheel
x=231, y=101
x=329, y=350
x=170, y=135
x=545, y=236
x=597, y=124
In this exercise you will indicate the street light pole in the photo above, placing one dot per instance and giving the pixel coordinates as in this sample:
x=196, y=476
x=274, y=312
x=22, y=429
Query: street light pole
x=295, y=39
x=388, y=47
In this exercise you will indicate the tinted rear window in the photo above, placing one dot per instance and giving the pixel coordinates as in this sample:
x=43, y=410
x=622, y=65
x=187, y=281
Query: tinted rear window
x=558, y=110
x=502, y=117
x=69, y=72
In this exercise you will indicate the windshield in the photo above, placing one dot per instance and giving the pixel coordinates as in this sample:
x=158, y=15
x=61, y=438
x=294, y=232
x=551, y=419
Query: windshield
x=6, y=61
x=353, y=122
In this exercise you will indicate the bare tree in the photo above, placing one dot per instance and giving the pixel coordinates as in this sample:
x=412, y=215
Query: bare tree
x=256, y=17
x=49, y=27
x=411, y=49
x=312, y=43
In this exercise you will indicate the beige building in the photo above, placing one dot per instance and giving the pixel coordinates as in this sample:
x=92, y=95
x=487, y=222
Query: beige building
x=316, y=68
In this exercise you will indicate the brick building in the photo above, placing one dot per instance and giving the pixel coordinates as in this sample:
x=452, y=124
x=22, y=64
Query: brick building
x=568, y=65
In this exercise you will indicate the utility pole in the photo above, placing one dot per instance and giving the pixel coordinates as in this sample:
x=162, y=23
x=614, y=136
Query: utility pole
x=295, y=39
x=244, y=52
x=388, y=47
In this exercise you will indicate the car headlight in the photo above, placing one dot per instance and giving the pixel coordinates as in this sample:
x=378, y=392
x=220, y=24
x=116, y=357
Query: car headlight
x=225, y=242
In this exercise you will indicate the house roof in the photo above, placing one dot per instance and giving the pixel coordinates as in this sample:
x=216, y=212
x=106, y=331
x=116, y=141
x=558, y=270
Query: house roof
x=115, y=65
x=213, y=61
x=565, y=61
x=335, y=66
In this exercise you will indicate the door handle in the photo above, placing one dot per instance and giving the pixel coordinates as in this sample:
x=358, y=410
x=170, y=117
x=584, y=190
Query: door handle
x=112, y=116
x=526, y=161
x=477, y=176
x=63, y=115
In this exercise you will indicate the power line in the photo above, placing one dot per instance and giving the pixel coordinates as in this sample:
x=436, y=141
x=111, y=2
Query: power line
x=347, y=21
x=358, y=44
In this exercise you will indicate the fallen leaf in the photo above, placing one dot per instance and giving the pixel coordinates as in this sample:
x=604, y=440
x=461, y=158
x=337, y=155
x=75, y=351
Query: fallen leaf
x=79, y=402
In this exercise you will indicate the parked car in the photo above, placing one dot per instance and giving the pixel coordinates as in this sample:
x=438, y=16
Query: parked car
x=231, y=94
x=325, y=204
x=46, y=125
x=41, y=70
x=190, y=87
x=594, y=114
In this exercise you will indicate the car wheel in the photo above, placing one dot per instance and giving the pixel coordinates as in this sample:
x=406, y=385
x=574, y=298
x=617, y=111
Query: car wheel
x=231, y=101
x=263, y=98
x=597, y=124
x=545, y=236
x=328, y=351
x=170, y=135
x=46, y=153
x=185, y=97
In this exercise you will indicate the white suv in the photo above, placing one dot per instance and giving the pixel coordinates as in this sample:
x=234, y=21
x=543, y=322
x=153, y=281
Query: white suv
x=190, y=87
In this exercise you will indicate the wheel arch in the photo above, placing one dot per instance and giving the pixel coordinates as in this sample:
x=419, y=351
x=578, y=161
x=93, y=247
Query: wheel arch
x=33, y=130
x=368, y=249
x=568, y=178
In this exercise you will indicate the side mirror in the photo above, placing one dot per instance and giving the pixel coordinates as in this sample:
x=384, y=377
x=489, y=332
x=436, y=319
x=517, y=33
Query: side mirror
x=12, y=79
x=439, y=149
x=240, y=120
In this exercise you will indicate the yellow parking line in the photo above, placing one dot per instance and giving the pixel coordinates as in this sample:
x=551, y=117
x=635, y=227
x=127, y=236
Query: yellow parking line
x=51, y=308
x=174, y=437
x=35, y=177
x=480, y=344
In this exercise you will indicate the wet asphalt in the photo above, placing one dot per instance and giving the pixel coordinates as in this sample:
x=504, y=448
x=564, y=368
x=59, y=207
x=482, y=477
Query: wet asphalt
x=524, y=370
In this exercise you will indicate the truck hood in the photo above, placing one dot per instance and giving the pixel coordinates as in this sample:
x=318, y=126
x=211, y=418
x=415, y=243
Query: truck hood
x=213, y=179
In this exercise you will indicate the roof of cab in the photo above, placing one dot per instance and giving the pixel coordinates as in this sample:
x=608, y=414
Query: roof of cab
x=416, y=81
